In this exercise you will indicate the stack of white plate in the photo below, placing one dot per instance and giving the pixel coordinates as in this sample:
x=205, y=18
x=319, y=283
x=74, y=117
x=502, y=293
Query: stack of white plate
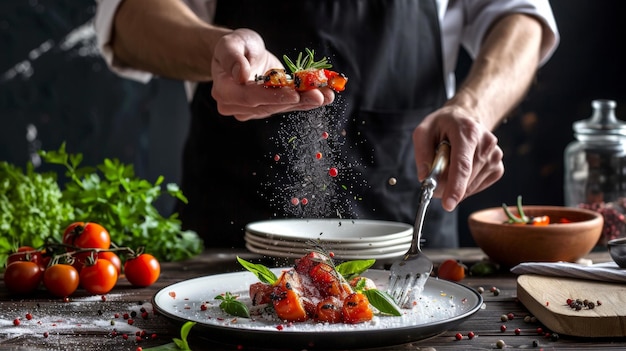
x=347, y=239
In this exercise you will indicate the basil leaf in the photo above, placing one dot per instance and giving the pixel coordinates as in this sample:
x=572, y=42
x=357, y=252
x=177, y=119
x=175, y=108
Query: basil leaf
x=383, y=302
x=263, y=273
x=177, y=344
x=180, y=345
x=184, y=331
x=351, y=269
x=235, y=308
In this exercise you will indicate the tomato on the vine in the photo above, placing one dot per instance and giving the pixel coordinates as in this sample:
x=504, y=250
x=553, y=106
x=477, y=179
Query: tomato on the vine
x=61, y=279
x=23, y=253
x=85, y=235
x=451, y=270
x=27, y=253
x=142, y=270
x=22, y=277
x=114, y=258
x=98, y=277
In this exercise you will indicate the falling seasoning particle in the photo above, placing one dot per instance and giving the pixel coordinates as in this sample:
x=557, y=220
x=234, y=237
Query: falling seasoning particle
x=295, y=201
x=324, y=135
x=318, y=155
x=277, y=157
x=333, y=172
x=304, y=201
x=392, y=181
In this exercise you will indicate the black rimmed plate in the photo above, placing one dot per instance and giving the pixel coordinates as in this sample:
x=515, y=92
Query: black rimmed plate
x=442, y=305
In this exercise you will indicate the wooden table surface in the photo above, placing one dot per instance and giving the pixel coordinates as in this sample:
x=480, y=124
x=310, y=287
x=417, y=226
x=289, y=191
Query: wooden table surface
x=90, y=323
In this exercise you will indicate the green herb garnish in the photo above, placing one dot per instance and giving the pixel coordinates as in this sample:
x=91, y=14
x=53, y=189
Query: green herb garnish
x=264, y=274
x=232, y=306
x=308, y=62
x=520, y=210
x=351, y=269
x=382, y=302
x=177, y=344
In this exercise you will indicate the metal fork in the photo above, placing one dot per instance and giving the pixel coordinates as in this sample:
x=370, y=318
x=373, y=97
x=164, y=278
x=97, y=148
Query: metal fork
x=409, y=274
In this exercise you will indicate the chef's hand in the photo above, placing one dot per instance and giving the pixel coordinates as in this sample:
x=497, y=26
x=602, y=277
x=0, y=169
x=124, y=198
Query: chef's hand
x=475, y=157
x=238, y=57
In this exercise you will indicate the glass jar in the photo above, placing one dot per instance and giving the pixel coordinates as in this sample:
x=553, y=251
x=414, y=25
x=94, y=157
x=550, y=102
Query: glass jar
x=595, y=168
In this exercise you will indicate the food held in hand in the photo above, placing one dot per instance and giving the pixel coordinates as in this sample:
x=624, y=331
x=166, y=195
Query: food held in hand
x=306, y=74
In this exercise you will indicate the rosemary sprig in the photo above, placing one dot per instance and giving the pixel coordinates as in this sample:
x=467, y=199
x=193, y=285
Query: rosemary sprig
x=308, y=62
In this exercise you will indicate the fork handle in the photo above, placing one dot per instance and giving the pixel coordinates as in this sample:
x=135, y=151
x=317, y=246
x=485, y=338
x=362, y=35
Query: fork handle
x=442, y=156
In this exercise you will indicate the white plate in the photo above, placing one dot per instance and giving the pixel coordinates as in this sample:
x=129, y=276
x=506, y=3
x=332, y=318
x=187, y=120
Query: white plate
x=330, y=230
x=339, y=256
x=337, y=250
x=442, y=305
x=364, y=244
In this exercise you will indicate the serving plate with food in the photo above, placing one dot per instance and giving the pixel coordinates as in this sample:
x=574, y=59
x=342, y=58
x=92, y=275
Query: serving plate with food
x=268, y=295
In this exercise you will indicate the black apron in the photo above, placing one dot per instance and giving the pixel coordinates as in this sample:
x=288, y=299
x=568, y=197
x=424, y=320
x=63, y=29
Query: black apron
x=238, y=172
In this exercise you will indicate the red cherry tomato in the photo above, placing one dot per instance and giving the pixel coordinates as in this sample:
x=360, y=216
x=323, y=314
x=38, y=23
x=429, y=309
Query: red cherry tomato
x=113, y=257
x=23, y=253
x=22, y=277
x=27, y=253
x=143, y=270
x=61, y=280
x=99, y=277
x=451, y=270
x=87, y=235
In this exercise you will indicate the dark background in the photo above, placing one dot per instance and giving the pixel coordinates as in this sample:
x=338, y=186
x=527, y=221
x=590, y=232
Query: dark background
x=54, y=84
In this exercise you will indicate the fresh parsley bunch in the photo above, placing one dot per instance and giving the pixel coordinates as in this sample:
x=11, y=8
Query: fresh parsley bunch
x=32, y=209
x=114, y=197
x=35, y=209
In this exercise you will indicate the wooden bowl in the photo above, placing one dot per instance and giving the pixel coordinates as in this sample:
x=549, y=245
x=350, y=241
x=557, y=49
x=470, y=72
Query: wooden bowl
x=511, y=244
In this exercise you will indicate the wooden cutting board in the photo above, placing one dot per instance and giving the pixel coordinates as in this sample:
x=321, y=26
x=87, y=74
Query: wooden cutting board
x=546, y=298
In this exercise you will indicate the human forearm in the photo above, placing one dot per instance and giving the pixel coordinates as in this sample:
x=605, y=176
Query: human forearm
x=502, y=71
x=164, y=37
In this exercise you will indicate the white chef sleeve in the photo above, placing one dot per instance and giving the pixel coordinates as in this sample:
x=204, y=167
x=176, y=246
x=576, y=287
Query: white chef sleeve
x=103, y=23
x=479, y=15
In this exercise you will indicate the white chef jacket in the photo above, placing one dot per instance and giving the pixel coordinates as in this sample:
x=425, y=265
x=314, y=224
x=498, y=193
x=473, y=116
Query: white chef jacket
x=463, y=22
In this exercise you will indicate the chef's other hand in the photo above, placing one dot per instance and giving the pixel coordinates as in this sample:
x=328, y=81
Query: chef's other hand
x=475, y=157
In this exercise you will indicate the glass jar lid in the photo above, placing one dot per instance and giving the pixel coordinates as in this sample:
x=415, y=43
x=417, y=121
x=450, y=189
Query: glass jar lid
x=602, y=122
